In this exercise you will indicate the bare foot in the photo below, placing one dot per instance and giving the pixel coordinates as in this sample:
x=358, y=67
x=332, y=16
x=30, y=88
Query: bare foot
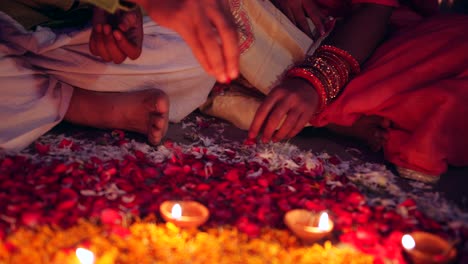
x=370, y=129
x=145, y=112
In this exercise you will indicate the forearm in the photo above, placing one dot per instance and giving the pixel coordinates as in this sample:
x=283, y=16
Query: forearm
x=362, y=31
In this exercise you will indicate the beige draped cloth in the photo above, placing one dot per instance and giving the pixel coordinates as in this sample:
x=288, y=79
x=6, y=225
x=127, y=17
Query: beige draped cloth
x=40, y=69
x=270, y=44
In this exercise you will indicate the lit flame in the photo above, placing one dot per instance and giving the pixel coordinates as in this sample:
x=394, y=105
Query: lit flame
x=323, y=222
x=84, y=256
x=176, y=211
x=408, y=242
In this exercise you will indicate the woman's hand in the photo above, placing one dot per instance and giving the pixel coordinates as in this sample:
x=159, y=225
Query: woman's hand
x=298, y=11
x=207, y=26
x=117, y=36
x=285, y=111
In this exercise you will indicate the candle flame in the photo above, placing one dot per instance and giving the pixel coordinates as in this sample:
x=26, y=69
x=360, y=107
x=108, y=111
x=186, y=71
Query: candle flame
x=408, y=242
x=323, y=222
x=176, y=211
x=84, y=256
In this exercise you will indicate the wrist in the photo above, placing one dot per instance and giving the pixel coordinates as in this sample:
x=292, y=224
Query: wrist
x=303, y=84
x=305, y=76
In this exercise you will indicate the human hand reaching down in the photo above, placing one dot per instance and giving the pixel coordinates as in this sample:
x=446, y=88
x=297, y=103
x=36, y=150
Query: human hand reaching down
x=285, y=111
x=208, y=28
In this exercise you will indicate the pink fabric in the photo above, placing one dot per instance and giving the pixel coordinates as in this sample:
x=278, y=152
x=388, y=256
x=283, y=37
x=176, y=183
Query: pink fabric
x=418, y=79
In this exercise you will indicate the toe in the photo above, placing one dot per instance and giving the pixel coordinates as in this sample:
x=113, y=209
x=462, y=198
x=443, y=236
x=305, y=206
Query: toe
x=157, y=128
x=162, y=104
x=158, y=117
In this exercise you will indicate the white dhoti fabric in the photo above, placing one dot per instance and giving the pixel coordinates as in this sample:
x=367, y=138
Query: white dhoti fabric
x=39, y=70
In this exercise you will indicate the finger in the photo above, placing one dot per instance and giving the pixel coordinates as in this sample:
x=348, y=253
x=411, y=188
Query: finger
x=315, y=15
x=300, y=124
x=277, y=114
x=190, y=36
x=100, y=44
x=288, y=124
x=212, y=50
x=301, y=20
x=116, y=55
x=132, y=28
x=227, y=29
x=261, y=115
x=131, y=50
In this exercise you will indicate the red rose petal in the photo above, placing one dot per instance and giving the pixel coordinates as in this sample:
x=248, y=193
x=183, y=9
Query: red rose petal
x=31, y=218
x=111, y=217
x=41, y=148
x=68, y=198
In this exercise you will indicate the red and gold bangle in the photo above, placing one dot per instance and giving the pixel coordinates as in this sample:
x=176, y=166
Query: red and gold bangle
x=326, y=83
x=309, y=76
x=353, y=63
x=338, y=65
x=332, y=77
x=341, y=68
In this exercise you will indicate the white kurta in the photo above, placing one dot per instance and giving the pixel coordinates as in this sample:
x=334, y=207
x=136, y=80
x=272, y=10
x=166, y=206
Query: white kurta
x=39, y=70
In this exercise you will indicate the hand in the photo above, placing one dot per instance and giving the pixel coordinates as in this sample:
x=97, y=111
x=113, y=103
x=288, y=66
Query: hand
x=293, y=101
x=208, y=28
x=298, y=10
x=117, y=36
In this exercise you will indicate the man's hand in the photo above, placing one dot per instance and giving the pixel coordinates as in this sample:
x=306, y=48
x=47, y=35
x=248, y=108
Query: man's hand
x=117, y=36
x=298, y=11
x=293, y=101
x=208, y=28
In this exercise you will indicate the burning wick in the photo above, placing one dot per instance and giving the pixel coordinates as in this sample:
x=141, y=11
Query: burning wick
x=176, y=211
x=323, y=222
x=408, y=242
x=84, y=256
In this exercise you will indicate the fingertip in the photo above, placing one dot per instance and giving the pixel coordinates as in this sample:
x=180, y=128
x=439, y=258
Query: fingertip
x=98, y=28
x=222, y=78
x=233, y=74
x=107, y=29
x=117, y=35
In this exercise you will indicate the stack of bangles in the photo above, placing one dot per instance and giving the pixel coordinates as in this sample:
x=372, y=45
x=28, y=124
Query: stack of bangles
x=328, y=70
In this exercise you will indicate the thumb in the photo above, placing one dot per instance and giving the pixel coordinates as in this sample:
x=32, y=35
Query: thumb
x=131, y=50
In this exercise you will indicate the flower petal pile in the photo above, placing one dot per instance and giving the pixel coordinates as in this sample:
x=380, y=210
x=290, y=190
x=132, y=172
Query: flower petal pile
x=113, y=181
